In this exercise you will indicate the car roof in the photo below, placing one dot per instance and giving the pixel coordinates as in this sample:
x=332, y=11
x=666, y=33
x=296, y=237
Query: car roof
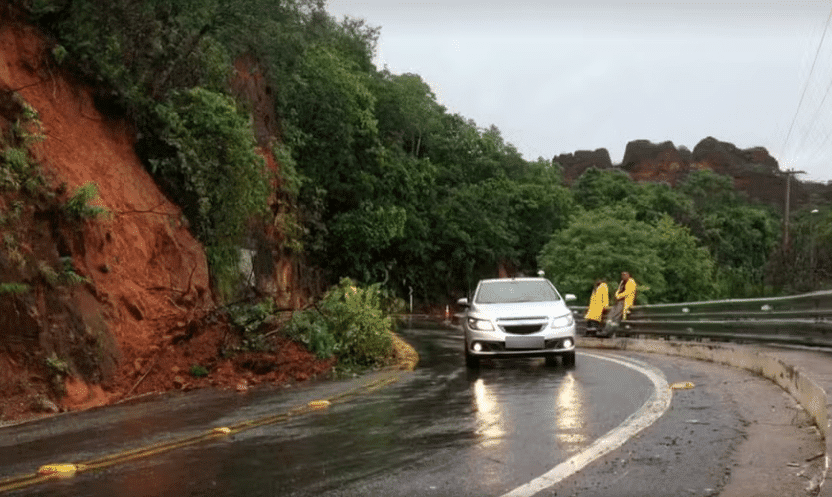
x=524, y=278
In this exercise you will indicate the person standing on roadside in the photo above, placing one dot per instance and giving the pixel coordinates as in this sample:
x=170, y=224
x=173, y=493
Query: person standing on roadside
x=599, y=303
x=626, y=293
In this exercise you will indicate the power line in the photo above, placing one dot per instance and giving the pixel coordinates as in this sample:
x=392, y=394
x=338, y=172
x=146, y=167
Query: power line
x=808, y=78
x=814, y=117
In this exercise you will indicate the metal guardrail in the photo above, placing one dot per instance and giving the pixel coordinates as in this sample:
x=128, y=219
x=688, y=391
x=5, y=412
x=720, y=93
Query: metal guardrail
x=804, y=319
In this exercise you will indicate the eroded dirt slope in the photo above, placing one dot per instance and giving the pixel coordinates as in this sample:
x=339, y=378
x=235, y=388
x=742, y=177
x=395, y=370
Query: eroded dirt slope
x=148, y=277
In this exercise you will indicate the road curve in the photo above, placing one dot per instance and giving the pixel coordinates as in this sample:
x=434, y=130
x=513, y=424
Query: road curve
x=507, y=428
x=649, y=412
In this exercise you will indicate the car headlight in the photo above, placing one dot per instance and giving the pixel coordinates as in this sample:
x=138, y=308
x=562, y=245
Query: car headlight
x=480, y=324
x=563, y=321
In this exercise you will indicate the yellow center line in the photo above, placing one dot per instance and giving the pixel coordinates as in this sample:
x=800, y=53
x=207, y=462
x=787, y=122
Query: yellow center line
x=65, y=470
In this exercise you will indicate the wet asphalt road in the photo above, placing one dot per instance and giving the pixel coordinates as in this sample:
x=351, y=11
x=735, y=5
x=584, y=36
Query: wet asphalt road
x=442, y=430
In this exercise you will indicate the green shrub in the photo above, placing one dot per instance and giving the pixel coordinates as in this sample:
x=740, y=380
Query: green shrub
x=14, y=288
x=17, y=171
x=48, y=273
x=198, y=371
x=207, y=159
x=59, y=53
x=66, y=275
x=313, y=330
x=78, y=206
x=349, y=322
x=69, y=276
x=17, y=159
x=57, y=365
x=249, y=320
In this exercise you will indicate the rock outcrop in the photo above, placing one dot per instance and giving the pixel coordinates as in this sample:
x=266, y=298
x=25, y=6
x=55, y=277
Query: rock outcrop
x=646, y=161
x=575, y=164
x=754, y=171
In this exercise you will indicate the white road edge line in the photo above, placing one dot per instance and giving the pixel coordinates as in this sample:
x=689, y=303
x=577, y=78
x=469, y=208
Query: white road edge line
x=649, y=412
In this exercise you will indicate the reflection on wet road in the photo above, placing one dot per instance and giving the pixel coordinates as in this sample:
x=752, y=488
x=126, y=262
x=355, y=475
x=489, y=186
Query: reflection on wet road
x=442, y=430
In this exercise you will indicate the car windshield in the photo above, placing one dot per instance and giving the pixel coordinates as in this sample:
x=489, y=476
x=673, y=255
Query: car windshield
x=509, y=291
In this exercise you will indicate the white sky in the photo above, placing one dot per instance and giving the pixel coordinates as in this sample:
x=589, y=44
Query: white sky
x=560, y=76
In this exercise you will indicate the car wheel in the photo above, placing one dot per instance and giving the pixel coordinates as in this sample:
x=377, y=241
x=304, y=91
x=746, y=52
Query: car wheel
x=568, y=359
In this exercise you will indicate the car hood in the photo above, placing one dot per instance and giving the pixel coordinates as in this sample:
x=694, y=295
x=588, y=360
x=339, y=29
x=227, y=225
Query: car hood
x=521, y=309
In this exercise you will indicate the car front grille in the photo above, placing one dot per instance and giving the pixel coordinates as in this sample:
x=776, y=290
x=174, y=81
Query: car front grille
x=522, y=329
x=554, y=344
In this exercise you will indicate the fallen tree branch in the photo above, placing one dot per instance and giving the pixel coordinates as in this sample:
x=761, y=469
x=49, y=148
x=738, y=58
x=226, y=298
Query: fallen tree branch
x=143, y=376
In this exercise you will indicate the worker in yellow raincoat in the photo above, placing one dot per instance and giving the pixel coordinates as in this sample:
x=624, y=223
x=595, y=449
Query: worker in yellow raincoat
x=626, y=292
x=599, y=303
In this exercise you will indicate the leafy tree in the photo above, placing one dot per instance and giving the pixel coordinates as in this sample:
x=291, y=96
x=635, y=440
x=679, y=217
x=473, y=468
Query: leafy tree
x=663, y=258
x=406, y=263
x=710, y=191
x=475, y=243
x=209, y=163
x=740, y=235
x=459, y=150
x=407, y=111
x=652, y=201
x=335, y=136
x=541, y=206
x=363, y=234
x=689, y=270
x=332, y=128
x=138, y=51
x=597, y=188
x=496, y=221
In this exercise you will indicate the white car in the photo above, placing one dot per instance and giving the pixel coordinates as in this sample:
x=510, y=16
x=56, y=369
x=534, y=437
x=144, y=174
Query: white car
x=518, y=317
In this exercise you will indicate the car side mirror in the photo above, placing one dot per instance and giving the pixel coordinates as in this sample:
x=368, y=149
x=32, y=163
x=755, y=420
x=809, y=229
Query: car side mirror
x=463, y=302
x=569, y=297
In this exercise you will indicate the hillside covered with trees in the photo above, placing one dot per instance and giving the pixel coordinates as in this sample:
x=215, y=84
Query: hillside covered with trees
x=285, y=161
x=379, y=181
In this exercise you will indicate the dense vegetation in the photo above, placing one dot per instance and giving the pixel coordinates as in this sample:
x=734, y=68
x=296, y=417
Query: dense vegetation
x=390, y=187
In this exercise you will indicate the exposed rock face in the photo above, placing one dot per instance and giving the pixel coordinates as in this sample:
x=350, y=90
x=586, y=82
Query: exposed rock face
x=646, y=161
x=725, y=158
x=575, y=164
x=754, y=170
x=273, y=269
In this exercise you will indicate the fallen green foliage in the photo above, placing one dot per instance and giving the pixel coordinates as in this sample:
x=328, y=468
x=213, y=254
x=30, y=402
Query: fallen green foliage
x=78, y=206
x=350, y=322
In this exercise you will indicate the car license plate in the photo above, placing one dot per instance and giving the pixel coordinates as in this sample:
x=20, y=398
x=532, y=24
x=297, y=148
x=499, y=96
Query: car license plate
x=524, y=342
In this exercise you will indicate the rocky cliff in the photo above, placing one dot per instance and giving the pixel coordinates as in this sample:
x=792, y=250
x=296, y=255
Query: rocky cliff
x=754, y=170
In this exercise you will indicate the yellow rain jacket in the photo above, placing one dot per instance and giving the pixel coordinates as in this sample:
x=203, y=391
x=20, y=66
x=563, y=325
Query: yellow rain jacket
x=598, y=302
x=628, y=294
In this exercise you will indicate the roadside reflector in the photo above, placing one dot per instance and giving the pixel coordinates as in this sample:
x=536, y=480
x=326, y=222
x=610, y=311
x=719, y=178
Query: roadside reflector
x=319, y=404
x=222, y=429
x=686, y=385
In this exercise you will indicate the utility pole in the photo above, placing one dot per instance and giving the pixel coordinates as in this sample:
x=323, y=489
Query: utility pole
x=812, y=250
x=789, y=173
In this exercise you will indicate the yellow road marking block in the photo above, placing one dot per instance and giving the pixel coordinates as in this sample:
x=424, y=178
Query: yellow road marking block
x=319, y=404
x=59, y=470
x=67, y=470
x=684, y=385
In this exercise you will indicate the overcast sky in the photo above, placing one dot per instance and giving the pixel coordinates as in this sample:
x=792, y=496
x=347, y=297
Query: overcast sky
x=560, y=76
